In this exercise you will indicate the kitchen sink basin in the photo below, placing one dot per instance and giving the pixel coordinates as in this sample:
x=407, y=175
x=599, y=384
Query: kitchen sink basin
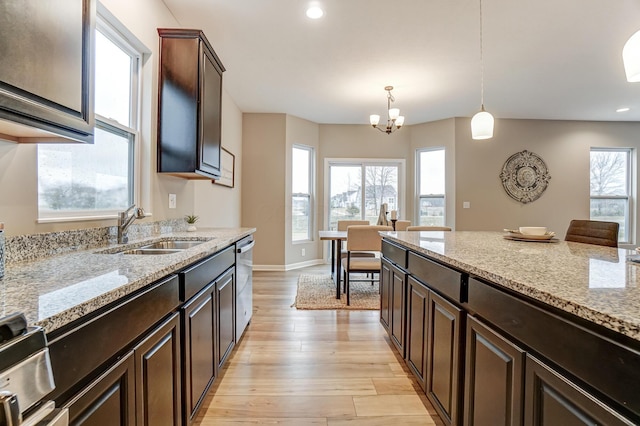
x=158, y=247
x=172, y=245
x=151, y=251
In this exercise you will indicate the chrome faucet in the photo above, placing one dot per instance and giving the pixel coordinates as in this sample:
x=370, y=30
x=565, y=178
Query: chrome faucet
x=124, y=220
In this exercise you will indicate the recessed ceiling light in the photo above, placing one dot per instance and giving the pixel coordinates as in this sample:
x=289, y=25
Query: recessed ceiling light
x=623, y=109
x=314, y=12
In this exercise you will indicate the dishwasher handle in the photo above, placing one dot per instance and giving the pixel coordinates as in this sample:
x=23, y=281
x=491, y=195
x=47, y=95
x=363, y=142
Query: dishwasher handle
x=246, y=247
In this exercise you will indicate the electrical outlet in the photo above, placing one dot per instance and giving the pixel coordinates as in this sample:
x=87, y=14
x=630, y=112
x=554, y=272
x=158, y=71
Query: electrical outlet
x=172, y=201
x=302, y=252
x=466, y=204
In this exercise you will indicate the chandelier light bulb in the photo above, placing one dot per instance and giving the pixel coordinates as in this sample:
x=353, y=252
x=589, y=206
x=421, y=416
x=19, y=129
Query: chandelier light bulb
x=394, y=113
x=400, y=121
x=374, y=119
x=482, y=125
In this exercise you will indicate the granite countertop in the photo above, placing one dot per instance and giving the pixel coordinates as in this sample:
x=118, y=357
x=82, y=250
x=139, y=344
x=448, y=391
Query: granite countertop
x=54, y=291
x=593, y=282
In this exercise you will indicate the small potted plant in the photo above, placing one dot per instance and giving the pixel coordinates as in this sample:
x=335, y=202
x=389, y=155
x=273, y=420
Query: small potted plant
x=191, y=220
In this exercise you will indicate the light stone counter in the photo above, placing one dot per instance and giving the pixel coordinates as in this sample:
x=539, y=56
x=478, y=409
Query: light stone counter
x=595, y=283
x=56, y=290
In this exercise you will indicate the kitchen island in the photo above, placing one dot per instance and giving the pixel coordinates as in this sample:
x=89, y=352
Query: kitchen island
x=511, y=332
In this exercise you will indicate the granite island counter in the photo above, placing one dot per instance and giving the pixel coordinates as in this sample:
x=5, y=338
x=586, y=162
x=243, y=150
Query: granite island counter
x=510, y=332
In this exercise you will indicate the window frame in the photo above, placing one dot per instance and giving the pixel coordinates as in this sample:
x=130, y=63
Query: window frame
x=627, y=236
x=363, y=162
x=120, y=36
x=309, y=195
x=418, y=175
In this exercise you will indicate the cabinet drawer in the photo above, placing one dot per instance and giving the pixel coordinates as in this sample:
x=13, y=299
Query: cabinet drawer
x=440, y=278
x=541, y=330
x=196, y=277
x=394, y=253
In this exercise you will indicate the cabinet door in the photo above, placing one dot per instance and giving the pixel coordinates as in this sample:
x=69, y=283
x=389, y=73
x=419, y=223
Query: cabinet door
x=385, y=295
x=226, y=315
x=158, y=383
x=46, y=71
x=493, y=378
x=444, y=357
x=210, y=108
x=417, y=320
x=550, y=399
x=398, y=294
x=109, y=400
x=199, y=349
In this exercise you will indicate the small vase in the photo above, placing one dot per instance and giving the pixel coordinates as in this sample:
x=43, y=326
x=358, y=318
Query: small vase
x=192, y=228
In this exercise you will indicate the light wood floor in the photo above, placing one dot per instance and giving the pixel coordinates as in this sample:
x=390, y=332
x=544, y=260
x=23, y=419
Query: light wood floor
x=312, y=368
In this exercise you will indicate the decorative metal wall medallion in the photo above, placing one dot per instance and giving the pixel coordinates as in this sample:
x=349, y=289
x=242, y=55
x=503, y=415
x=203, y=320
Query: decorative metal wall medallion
x=525, y=176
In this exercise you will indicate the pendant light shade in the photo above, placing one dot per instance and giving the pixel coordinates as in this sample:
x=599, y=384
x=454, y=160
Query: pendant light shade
x=482, y=125
x=631, y=58
x=482, y=122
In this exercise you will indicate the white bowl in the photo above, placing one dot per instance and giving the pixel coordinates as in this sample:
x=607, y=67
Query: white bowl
x=533, y=230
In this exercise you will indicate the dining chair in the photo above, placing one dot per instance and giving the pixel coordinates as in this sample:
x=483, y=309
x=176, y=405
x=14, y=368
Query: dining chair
x=401, y=225
x=428, y=228
x=342, y=226
x=593, y=232
x=362, y=238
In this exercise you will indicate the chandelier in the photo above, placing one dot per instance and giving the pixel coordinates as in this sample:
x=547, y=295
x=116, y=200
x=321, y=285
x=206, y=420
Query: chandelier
x=394, y=119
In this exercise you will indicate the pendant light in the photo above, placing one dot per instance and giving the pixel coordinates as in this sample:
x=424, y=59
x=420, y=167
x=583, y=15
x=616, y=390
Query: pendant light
x=631, y=58
x=482, y=122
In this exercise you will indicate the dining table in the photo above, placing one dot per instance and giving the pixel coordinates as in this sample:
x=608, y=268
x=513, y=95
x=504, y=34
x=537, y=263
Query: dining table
x=336, y=238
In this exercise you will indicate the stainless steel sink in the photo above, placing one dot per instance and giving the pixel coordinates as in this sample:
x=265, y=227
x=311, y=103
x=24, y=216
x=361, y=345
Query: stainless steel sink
x=151, y=251
x=158, y=247
x=172, y=245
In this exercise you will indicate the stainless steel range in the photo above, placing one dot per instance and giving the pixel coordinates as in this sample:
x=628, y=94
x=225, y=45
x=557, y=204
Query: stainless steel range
x=26, y=376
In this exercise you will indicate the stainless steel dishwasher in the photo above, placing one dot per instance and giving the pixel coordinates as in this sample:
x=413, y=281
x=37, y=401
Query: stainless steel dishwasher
x=26, y=376
x=244, y=284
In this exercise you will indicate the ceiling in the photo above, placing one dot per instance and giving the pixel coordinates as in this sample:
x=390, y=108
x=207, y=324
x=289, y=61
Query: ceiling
x=544, y=59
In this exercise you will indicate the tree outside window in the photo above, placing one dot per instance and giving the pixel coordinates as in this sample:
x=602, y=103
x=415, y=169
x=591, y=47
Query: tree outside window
x=610, y=178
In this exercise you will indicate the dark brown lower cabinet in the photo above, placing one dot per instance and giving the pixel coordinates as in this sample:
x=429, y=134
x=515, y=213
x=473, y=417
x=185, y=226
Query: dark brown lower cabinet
x=398, y=289
x=551, y=399
x=444, y=357
x=385, y=295
x=494, y=378
x=158, y=376
x=417, y=321
x=226, y=314
x=199, y=351
x=142, y=388
x=109, y=400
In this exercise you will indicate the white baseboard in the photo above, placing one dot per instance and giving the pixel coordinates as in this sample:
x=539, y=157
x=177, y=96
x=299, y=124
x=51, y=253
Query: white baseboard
x=283, y=268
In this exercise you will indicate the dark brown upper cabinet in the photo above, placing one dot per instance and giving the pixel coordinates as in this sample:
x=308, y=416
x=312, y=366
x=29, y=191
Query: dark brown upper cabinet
x=189, y=105
x=46, y=70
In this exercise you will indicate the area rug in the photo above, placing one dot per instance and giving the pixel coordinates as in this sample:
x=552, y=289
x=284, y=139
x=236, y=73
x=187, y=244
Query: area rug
x=319, y=292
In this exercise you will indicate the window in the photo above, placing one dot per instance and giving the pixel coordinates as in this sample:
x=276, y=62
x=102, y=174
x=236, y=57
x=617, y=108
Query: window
x=610, y=184
x=357, y=189
x=77, y=181
x=301, y=192
x=431, y=188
